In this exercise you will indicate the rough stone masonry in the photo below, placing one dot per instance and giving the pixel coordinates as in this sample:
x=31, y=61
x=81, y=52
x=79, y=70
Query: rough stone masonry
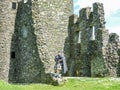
x=31, y=33
x=95, y=52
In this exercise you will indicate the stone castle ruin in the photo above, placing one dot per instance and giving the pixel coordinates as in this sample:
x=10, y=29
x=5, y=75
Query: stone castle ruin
x=93, y=51
x=33, y=31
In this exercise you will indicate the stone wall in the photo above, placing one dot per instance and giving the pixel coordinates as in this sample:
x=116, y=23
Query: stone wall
x=85, y=37
x=70, y=55
x=54, y=16
x=112, y=57
x=7, y=22
x=98, y=67
x=31, y=38
x=41, y=28
x=98, y=50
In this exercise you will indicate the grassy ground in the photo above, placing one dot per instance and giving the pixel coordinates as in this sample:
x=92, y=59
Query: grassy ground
x=71, y=84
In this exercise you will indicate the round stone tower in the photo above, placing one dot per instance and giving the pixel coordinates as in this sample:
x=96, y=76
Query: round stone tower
x=8, y=10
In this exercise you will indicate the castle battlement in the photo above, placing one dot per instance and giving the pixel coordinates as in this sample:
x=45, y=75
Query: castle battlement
x=94, y=50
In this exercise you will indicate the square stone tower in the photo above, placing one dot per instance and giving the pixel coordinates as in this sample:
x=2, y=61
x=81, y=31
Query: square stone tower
x=33, y=36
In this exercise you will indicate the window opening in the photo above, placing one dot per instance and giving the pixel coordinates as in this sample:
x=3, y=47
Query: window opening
x=13, y=55
x=93, y=33
x=79, y=37
x=14, y=5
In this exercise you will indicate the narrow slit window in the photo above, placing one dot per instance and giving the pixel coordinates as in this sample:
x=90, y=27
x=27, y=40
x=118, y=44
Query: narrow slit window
x=14, y=5
x=13, y=55
x=93, y=33
x=79, y=37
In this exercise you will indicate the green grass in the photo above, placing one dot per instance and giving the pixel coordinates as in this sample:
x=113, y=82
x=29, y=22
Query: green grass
x=71, y=84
